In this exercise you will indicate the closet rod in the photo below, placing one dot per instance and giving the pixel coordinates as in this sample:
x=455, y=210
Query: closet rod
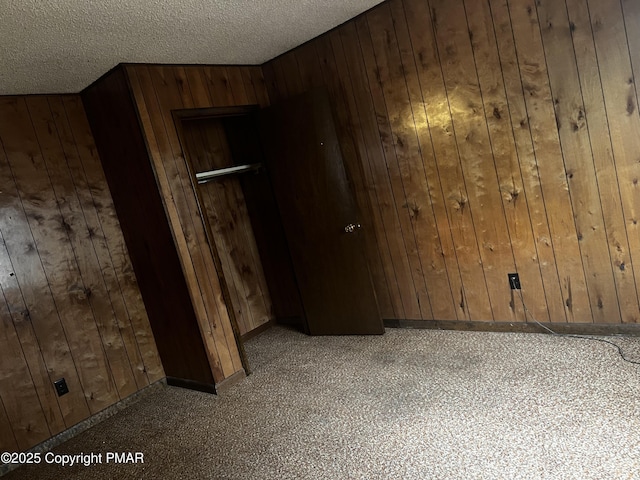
x=204, y=177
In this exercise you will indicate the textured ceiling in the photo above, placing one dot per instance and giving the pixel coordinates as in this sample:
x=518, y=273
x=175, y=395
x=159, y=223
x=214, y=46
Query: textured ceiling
x=61, y=46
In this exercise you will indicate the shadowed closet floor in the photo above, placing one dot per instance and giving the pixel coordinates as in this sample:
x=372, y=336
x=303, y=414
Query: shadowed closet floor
x=412, y=404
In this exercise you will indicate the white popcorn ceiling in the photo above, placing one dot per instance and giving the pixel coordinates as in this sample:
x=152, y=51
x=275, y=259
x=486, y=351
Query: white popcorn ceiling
x=62, y=46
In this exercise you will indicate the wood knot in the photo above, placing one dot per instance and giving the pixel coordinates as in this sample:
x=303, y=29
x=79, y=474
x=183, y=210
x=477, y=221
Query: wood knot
x=496, y=113
x=421, y=58
x=460, y=204
x=630, y=105
x=414, y=209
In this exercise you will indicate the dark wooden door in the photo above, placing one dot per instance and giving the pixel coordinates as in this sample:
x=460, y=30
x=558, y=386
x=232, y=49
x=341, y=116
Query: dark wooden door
x=317, y=207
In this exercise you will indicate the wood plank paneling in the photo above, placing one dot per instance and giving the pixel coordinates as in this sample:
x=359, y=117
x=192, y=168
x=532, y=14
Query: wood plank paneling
x=410, y=261
x=57, y=318
x=605, y=166
x=103, y=229
x=17, y=389
x=30, y=346
x=51, y=242
x=618, y=76
x=489, y=137
x=8, y=441
x=578, y=160
x=553, y=176
x=499, y=122
x=551, y=305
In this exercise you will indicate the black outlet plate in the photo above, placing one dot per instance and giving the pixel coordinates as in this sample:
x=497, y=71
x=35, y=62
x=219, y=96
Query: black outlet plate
x=514, y=281
x=61, y=387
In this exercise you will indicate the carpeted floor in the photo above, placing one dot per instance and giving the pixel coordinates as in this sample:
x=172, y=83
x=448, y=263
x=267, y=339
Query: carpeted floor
x=412, y=404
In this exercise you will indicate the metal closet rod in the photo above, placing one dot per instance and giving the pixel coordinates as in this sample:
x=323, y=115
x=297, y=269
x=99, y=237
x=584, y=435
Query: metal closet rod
x=204, y=177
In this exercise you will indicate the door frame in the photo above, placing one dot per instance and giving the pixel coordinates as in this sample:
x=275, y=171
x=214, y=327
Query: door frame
x=190, y=114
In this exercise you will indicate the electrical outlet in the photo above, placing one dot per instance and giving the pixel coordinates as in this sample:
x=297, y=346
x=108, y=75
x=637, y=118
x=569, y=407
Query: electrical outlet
x=514, y=281
x=61, y=387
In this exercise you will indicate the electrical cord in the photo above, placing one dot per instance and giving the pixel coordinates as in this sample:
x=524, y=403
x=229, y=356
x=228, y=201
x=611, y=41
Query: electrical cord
x=569, y=335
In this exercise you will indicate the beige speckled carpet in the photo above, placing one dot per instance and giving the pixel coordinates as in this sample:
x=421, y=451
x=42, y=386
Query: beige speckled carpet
x=412, y=404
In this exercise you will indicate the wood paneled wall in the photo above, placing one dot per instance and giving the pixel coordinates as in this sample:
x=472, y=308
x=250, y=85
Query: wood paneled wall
x=157, y=91
x=485, y=137
x=70, y=306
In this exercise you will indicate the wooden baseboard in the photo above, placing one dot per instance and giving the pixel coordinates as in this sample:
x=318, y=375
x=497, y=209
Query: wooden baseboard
x=257, y=331
x=191, y=385
x=563, y=328
x=231, y=381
